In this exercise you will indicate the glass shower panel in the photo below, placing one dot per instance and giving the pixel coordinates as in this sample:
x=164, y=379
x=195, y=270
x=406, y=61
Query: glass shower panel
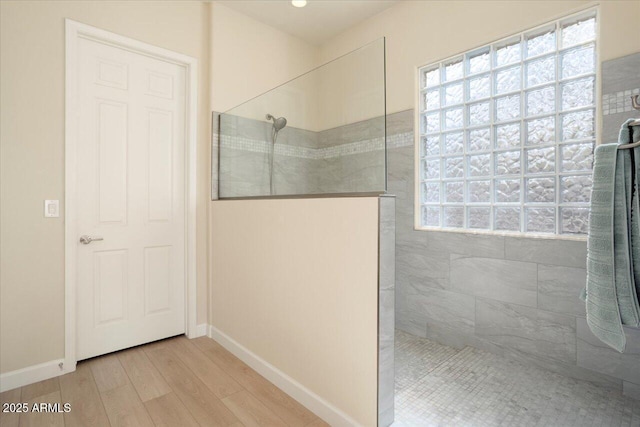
x=323, y=133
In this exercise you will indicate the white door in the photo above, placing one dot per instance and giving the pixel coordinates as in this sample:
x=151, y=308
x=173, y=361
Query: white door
x=130, y=180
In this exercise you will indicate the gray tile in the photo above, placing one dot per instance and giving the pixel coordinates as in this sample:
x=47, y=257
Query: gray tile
x=215, y=125
x=404, y=214
x=354, y=173
x=569, y=253
x=405, y=234
x=411, y=323
x=363, y=172
x=570, y=370
x=387, y=315
x=386, y=369
x=387, y=242
x=296, y=137
x=214, y=173
x=621, y=73
x=556, y=336
x=243, y=174
x=243, y=127
x=631, y=390
x=405, y=206
x=404, y=225
x=436, y=305
x=418, y=266
x=400, y=122
x=261, y=130
x=442, y=333
x=386, y=417
x=328, y=173
x=400, y=164
x=559, y=289
x=466, y=243
x=597, y=356
x=476, y=388
x=359, y=131
x=611, y=124
x=416, y=357
x=510, y=281
x=404, y=199
x=291, y=175
x=398, y=188
x=246, y=173
x=526, y=329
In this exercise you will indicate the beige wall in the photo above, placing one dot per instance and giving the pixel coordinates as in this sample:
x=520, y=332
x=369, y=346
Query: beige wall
x=249, y=58
x=351, y=88
x=296, y=282
x=296, y=100
x=421, y=32
x=32, y=155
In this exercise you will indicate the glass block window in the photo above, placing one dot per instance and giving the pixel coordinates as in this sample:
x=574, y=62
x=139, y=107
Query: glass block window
x=507, y=133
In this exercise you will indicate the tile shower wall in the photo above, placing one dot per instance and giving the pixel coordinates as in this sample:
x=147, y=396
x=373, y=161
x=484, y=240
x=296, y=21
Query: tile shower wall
x=621, y=79
x=354, y=157
x=246, y=143
x=508, y=295
x=347, y=159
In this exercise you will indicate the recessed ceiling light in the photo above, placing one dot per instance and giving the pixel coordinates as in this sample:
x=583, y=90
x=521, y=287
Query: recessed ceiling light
x=299, y=3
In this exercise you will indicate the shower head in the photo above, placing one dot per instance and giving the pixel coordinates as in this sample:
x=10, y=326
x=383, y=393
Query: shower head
x=279, y=123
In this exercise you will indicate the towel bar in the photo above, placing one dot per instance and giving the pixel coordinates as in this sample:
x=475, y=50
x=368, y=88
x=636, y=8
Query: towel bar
x=636, y=105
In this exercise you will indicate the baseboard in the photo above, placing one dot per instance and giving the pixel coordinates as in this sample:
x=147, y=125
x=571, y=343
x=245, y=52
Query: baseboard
x=32, y=374
x=306, y=397
x=202, y=330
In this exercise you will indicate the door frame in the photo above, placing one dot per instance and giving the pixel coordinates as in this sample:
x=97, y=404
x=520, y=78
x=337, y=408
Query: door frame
x=74, y=31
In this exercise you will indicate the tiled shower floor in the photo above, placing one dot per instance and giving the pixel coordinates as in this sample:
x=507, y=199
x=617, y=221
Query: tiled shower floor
x=438, y=385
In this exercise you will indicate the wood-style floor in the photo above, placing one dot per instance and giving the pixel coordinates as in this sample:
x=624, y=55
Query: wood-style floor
x=176, y=382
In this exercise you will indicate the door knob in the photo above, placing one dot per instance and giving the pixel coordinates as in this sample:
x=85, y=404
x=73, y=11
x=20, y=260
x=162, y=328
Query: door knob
x=85, y=240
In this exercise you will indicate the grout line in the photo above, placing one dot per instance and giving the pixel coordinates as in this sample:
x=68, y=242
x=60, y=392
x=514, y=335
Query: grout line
x=537, y=286
x=475, y=316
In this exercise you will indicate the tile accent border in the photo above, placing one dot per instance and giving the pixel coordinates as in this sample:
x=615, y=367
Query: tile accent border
x=358, y=147
x=257, y=146
x=396, y=140
x=618, y=102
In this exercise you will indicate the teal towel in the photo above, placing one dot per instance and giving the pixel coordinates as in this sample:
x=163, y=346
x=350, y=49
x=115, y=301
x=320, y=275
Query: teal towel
x=629, y=134
x=603, y=314
x=611, y=293
x=622, y=237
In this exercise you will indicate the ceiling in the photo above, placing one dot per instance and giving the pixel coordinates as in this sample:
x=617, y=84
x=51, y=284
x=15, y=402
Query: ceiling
x=317, y=22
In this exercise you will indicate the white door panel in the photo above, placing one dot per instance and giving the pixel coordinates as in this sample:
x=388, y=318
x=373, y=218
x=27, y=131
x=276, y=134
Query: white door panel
x=131, y=192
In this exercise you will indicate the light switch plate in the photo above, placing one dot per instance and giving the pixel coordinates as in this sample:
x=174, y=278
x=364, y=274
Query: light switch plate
x=51, y=208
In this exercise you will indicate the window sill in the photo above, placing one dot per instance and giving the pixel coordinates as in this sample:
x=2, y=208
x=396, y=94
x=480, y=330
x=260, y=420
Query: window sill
x=568, y=237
